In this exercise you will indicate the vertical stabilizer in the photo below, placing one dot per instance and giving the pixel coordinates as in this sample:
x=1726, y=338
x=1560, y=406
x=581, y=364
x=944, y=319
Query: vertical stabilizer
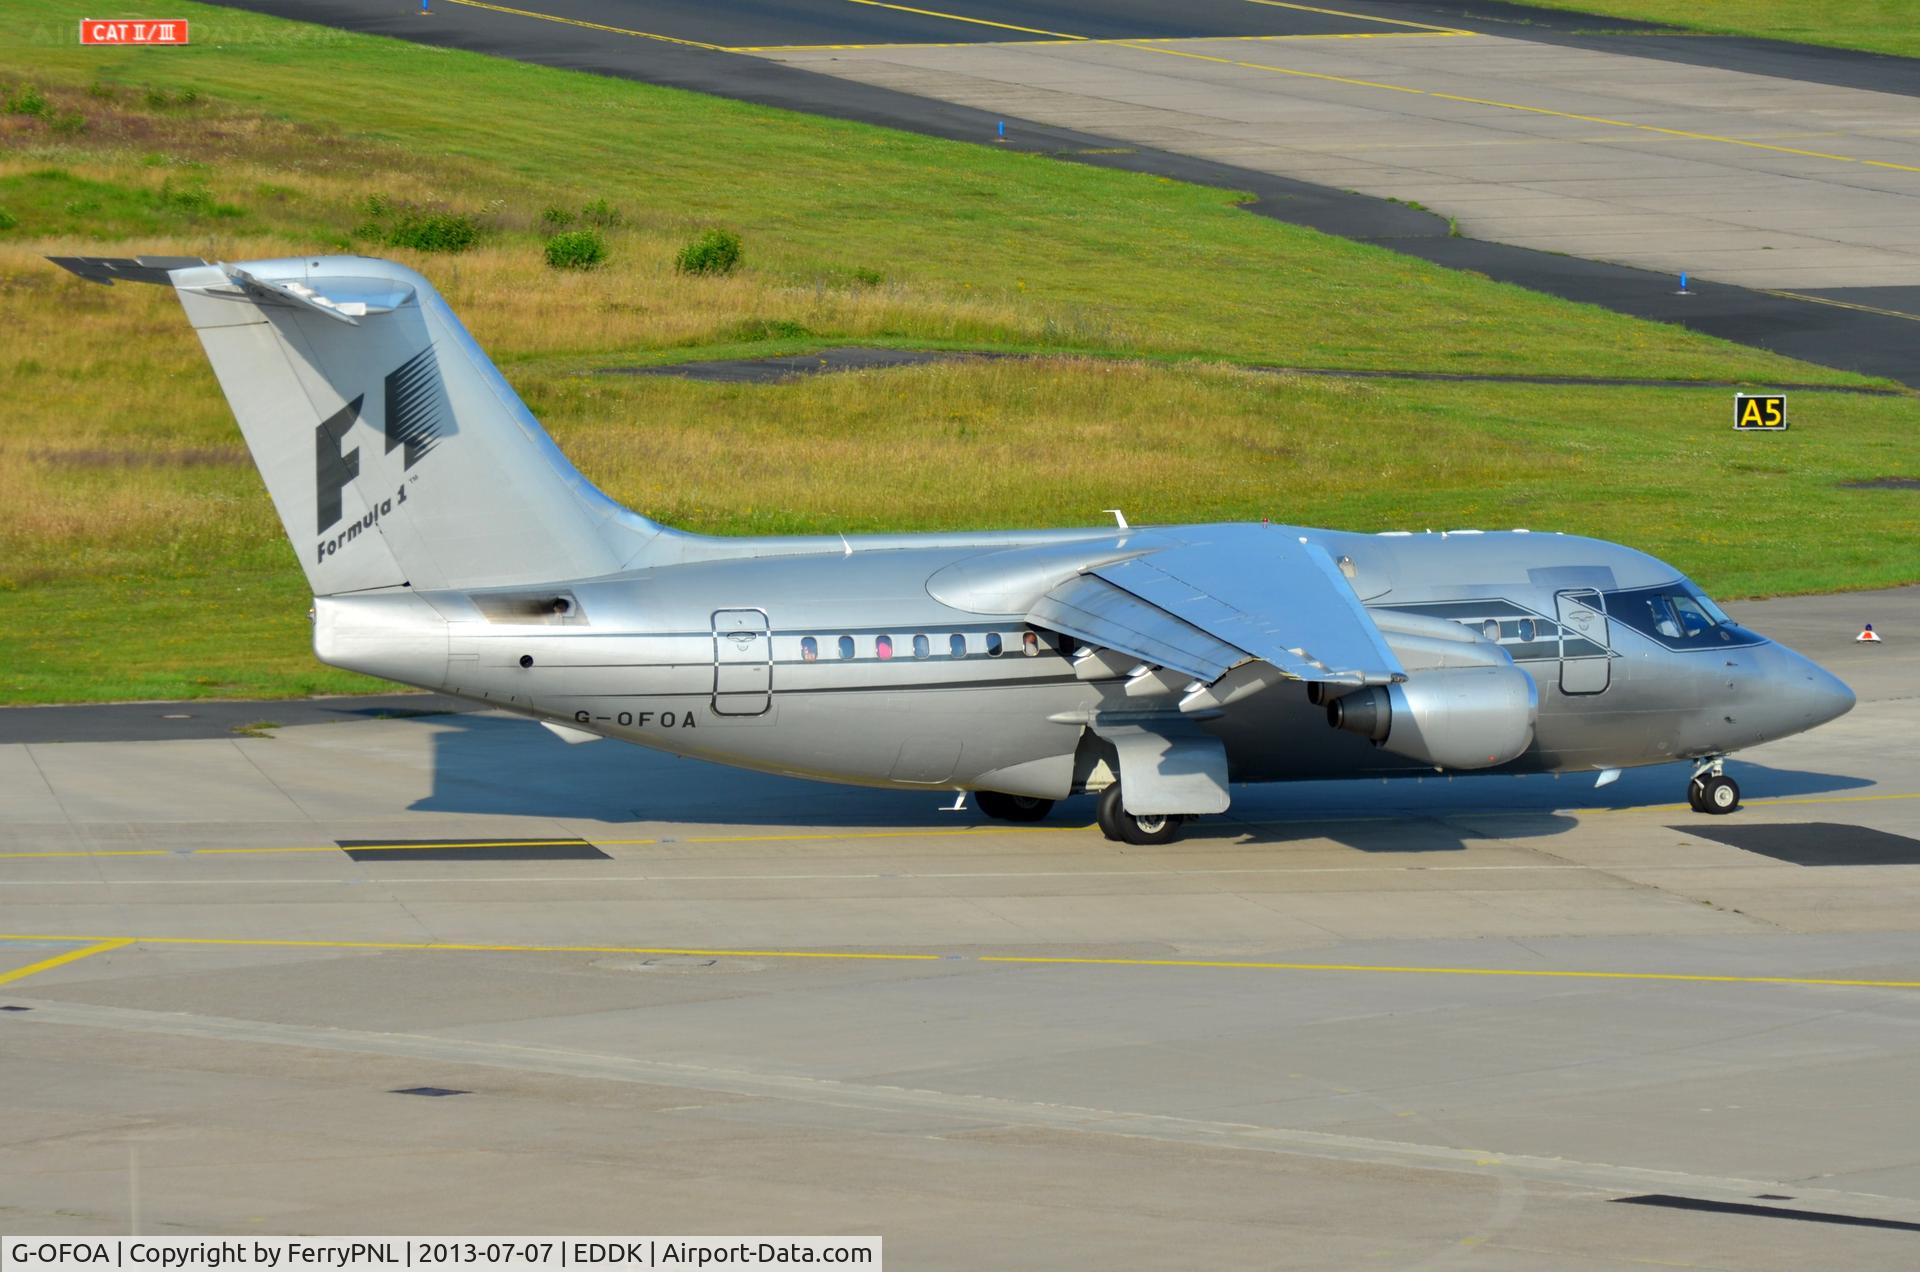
x=394, y=451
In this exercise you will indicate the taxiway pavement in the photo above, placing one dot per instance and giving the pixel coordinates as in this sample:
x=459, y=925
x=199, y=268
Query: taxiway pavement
x=1496, y=1022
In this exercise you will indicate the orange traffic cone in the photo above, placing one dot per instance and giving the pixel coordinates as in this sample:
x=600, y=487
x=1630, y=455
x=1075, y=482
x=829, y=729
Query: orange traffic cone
x=1868, y=634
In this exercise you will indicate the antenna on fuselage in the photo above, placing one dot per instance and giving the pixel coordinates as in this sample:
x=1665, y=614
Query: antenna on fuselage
x=1119, y=518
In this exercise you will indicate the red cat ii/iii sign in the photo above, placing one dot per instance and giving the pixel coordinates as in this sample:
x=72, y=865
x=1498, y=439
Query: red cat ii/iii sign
x=122, y=31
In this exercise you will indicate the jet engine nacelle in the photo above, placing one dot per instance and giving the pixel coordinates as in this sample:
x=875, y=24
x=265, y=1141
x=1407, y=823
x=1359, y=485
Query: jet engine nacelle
x=1451, y=717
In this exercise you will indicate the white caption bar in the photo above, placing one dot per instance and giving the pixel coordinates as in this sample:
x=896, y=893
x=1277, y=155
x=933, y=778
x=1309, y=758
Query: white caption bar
x=376, y=1254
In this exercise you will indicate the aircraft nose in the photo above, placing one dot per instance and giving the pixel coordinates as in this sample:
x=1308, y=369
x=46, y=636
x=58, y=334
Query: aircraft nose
x=1810, y=694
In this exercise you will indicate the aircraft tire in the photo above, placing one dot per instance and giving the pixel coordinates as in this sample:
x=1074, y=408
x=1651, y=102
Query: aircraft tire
x=1695, y=788
x=1012, y=808
x=1117, y=824
x=1719, y=795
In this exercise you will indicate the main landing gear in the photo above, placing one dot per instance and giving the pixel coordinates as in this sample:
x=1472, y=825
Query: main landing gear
x=1711, y=790
x=1118, y=824
x=1013, y=808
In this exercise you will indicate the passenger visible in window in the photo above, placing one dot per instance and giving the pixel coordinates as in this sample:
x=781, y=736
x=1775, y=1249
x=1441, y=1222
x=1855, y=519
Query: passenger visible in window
x=922, y=647
x=993, y=644
x=809, y=649
x=883, y=647
x=846, y=646
x=1490, y=629
x=957, y=645
x=1030, y=645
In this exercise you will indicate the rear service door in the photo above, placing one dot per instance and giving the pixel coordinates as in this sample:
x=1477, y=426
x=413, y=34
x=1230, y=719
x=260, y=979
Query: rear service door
x=742, y=662
x=1585, y=666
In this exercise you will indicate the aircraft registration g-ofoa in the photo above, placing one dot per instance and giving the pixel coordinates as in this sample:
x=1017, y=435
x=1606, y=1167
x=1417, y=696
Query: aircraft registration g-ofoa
x=451, y=546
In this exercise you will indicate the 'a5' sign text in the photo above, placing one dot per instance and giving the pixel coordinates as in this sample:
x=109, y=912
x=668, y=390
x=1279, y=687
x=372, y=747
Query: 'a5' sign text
x=121, y=31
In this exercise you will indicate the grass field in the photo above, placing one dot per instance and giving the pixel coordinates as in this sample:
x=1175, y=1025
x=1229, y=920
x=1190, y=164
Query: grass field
x=140, y=558
x=1880, y=26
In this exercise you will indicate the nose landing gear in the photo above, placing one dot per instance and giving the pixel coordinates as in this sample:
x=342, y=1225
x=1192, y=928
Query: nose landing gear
x=1711, y=790
x=1118, y=824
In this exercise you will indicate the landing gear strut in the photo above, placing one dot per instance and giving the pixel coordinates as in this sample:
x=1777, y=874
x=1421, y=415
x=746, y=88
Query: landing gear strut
x=1117, y=823
x=1711, y=790
x=1013, y=808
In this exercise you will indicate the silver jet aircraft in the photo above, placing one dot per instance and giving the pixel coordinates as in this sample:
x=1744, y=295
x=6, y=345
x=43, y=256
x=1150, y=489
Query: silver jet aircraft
x=451, y=546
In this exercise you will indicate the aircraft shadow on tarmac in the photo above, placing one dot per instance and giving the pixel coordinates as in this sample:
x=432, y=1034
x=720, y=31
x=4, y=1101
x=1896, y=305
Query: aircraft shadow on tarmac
x=507, y=767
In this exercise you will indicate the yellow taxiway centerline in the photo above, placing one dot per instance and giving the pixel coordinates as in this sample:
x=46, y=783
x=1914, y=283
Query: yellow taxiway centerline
x=435, y=947
x=961, y=17
x=1552, y=973
x=1015, y=44
x=1846, y=304
x=590, y=26
x=101, y=944
x=1363, y=17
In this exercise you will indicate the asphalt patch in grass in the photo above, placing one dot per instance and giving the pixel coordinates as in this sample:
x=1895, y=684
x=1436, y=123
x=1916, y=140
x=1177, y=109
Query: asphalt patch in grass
x=1816, y=843
x=774, y=370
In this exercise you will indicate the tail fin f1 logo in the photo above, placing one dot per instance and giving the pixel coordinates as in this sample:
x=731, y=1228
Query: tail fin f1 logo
x=333, y=465
x=413, y=423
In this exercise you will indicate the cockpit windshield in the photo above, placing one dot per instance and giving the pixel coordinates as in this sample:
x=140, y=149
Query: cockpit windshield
x=1676, y=614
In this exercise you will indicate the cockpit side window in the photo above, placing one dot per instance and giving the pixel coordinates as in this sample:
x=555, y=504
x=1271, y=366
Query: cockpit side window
x=1676, y=615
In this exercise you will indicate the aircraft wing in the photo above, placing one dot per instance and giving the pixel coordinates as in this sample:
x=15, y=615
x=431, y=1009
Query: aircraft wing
x=1225, y=595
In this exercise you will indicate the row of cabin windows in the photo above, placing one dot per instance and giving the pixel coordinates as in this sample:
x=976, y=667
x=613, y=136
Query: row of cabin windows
x=1526, y=629
x=884, y=647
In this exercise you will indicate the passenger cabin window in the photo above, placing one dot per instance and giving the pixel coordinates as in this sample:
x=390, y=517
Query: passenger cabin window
x=957, y=645
x=809, y=649
x=883, y=647
x=993, y=644
x=1030, y=645
x=922, y=647
x=846, y=646
x=1490, y=629
x=1526, y=629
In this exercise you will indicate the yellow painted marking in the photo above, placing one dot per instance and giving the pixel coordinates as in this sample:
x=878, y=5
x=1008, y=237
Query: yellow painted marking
x=1435, y=34
x=108, y=852
x=310, y=848
x=959, y=17
x=1360, y=17
x=1014, y=44
x=1847, y=304
x=114, y=942
x=1547, y=973
x=590, y=26
x=100, y=946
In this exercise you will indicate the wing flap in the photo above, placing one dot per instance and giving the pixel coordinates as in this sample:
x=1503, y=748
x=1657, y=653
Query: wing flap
x=1100, y=613
x=1220, y=596
x=1272, y=593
